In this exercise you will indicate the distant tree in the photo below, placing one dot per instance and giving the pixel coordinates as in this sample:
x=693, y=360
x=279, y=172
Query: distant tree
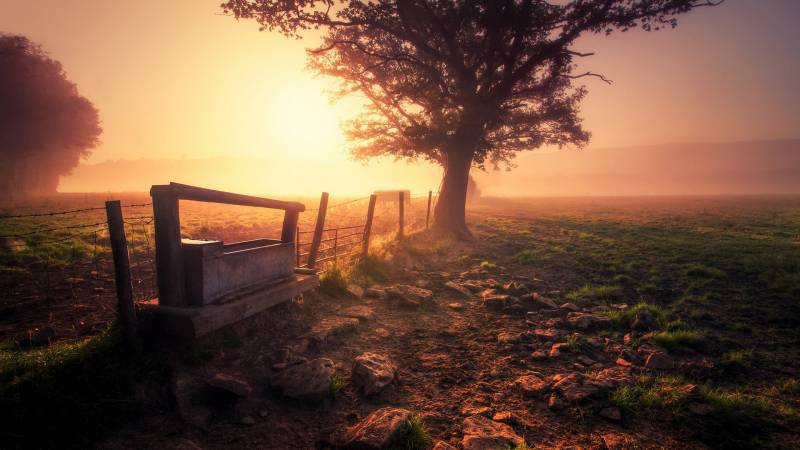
x=46, y=126
x=460, y=83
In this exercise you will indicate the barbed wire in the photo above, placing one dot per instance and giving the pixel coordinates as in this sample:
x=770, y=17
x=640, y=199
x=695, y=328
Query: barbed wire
x=70, y=211
x=48, y=230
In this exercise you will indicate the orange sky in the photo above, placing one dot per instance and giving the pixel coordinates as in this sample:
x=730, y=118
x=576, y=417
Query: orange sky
x=177, y=79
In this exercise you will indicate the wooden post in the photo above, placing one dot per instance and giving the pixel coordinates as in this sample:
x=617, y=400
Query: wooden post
x=368, y=226
x=169, y=253
x=290, y=218
x=401, y=198
x=428, y=215
x=297, y=246
x=122, y=275
x=318, y=227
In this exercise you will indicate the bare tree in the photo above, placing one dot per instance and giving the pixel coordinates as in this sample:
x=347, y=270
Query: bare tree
x=460, y=83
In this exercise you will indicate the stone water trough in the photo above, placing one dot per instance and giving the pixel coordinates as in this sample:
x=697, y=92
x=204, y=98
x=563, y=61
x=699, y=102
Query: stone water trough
x=206, y=284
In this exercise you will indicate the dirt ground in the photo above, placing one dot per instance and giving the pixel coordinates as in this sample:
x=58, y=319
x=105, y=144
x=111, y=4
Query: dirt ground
x=458, y=357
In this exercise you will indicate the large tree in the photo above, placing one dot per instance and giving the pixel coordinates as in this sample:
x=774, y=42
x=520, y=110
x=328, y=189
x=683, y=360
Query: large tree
x=46, y=126
x=460, y=83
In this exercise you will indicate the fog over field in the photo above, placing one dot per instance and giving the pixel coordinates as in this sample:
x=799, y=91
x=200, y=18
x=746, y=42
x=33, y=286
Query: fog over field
x=756, y=167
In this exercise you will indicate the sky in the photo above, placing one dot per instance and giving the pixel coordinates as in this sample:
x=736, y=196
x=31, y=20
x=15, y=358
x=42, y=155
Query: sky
x=178, y=79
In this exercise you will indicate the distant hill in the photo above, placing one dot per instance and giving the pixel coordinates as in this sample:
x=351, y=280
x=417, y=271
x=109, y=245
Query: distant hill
x=763, y=167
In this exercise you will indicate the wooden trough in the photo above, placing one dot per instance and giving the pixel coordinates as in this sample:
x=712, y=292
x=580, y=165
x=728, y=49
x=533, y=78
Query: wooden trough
x=205, y=285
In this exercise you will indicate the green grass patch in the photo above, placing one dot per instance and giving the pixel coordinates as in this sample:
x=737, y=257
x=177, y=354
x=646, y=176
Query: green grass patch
x=527, y=257
x=665, y=392
x=605, y=293
x=678, y=339
x=411, y=436
x=370, y=270
x=337, y=383
x=333, y=282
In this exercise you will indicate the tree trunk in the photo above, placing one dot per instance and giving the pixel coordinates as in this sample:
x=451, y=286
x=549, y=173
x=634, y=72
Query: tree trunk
x=449, y=215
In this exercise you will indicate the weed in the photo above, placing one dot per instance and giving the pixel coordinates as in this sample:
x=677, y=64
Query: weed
x=411, y=436
x=600, y=292
x=370, y=270
x=336, y=384
x=526, y=257
x=665, y=392
x=678, y=339
x=333, y=282
x=738, y=357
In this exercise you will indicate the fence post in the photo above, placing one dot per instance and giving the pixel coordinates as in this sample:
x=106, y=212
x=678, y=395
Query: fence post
x=122, y=275
x=428, y=214
x=297, y=245
x=169, y=253
x=368, y=226
x=318, y=227
x=401, y=198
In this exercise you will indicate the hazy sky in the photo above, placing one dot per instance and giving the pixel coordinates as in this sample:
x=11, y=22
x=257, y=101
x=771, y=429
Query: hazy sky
x=177, y=78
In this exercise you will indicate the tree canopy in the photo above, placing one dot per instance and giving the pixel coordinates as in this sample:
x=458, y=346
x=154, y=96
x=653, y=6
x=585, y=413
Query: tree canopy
x=46, y=126
x=460, y=83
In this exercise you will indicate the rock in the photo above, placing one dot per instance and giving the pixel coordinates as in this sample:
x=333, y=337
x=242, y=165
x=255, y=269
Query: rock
x=557, y=348
x=487, y=292
x=38, y=337
x=481, y=433
x=360, y=312
x=643, y=320
x=659, y=361
x=330, y=327
x=700, y=409
x=628, y=338
x=623, y=362
x=456, y=306
x=585, y=321
x=538, y=354
x=570, y=306
x=409, y=295
x=473, y=285
x=375, y=431
x=496, y=302
x=470, y=410
x=375, y=292
x=611, y=413
x=536, y=301
x=611, y=378
x=554, y=403
x=248, y=420
x=355, y=291
x=614, y=441
x=508, y=337
x=574, y=389
x=188, y=392
x=231, y=384
x=284, y=358
x=503, y=417
x=306, y=381
x=372, y=372
x=585, y=360
x=442, y=445
x=531, y=385
x=546, y=334
x=458, y=289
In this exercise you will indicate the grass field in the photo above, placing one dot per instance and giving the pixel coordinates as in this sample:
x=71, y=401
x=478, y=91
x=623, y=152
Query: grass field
x=720, y=277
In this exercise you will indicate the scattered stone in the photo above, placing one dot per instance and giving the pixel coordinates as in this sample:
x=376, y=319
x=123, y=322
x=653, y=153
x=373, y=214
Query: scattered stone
x=531, y=385
x=557, y=348
x=554, y=403
x=248, y=420
x=307, y=381
x=360, y=312
x=38, y=337
x=538, y=354
x=473, y=285
x=456, y=306
x=75, y=280
x=355, y=290
x=459, y=289
x=571, y=306
x=375, y=431
x=614, y=441
x=481, y=433
x=555, y=313
x=611, y=413
x=659, y=361
x=504, y=417
x=376, y=292
x=628, y=338
x=496, y=302
x=188, y=392
x=330, y=327
x=508, y=337
x=442, y=445
x=284, y=358
x=536, y=301
x=700, y=409
x=574, y=388
x=372, y=372
x=231, y=384
x=488, y=292
x=547, y=334
x=623, y=362
x=611, y=378
x=470, y=410
x=409, y=295
x=585, y=321
x=585, y=360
